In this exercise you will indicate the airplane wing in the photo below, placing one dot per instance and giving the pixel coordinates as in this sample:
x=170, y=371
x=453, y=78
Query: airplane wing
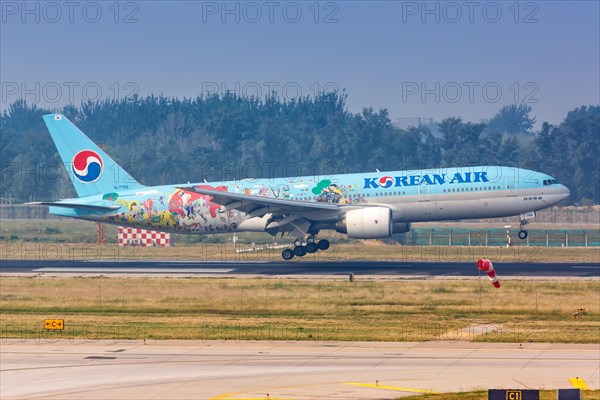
x=258, y=206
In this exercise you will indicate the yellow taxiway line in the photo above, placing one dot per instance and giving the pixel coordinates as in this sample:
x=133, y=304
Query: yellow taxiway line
x=579, y=383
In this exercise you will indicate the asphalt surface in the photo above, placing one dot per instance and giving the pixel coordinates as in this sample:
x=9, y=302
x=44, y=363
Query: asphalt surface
x=257, y=370
x=393, y=268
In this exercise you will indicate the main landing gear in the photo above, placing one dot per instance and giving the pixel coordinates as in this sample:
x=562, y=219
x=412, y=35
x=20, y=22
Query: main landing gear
x=522, y=232
x=301, y=250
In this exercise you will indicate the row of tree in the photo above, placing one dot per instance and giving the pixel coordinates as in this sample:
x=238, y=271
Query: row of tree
x=165, y=140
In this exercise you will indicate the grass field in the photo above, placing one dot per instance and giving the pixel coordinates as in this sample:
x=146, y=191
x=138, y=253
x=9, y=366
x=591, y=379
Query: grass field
x=482, y=395
x=280, y=309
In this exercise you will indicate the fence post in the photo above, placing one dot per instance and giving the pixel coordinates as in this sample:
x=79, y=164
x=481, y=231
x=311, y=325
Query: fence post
x=585, y=234
x=546, y=238
x=566, y=239
x=486, y=237
x=450, y=238
x=469, y=237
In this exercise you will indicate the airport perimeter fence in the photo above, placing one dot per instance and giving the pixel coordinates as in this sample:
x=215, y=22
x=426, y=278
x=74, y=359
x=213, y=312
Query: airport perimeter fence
x=562, y=215
x=555, y=236
x=497, y=237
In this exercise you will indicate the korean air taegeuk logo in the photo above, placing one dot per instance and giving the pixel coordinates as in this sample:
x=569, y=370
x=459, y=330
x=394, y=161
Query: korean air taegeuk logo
x=87, y=166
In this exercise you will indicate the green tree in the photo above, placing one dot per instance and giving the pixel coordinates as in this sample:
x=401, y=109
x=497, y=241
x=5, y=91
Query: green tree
x=513, y=119
x=461, y=144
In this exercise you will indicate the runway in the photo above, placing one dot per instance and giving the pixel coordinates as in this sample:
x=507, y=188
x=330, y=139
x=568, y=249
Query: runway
x=298, y=268
x=283, y=370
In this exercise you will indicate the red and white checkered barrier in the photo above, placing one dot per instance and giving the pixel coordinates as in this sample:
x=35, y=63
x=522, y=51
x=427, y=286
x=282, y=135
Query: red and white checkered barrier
x=143, y=237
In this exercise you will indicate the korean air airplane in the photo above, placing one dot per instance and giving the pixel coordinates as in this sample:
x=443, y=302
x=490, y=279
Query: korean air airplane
x=369, y=205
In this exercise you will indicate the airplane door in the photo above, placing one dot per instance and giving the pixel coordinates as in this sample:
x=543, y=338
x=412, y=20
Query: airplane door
x=510, y=187
x=423, y=192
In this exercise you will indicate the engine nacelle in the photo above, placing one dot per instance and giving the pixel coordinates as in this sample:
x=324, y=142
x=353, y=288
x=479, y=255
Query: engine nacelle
x=367, y=223
x=400, y=227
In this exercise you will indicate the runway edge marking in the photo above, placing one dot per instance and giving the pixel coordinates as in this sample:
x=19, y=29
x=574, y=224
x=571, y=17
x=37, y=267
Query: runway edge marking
x=228, y=395
x=387, y=387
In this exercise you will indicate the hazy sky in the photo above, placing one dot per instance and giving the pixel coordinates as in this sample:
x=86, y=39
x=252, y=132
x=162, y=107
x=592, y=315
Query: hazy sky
x=427, y=59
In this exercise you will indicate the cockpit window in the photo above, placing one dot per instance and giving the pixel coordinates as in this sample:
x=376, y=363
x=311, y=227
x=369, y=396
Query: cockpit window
x=548, y=182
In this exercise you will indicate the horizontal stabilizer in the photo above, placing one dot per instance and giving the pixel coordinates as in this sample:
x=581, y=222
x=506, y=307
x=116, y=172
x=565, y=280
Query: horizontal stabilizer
x=105, y=207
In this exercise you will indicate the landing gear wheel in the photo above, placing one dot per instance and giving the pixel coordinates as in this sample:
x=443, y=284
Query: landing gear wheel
x=287, y=254
x=310, y=239
x=323, y=244
x=300, y=251
x=312, y=247
x=522, y=234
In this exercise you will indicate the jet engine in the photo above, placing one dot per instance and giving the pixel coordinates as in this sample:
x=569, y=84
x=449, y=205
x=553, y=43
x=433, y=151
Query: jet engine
x=366, y=223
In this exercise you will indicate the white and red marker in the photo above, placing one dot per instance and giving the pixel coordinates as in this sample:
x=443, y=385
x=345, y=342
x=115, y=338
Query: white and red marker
x=487, y=267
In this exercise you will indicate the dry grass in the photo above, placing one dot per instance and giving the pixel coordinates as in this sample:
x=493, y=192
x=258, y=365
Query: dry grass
x=53, y=239
x=249, y=309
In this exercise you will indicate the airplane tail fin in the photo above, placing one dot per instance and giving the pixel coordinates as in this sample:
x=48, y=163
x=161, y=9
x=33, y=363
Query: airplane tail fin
x=91, y=170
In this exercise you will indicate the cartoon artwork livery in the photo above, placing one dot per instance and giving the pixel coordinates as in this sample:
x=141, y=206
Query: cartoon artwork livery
x=180, y=211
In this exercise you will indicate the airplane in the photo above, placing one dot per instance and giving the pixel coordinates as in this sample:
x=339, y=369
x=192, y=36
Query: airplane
x=367, y=205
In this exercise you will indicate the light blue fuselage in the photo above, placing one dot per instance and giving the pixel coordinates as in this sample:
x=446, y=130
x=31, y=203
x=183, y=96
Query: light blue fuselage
x=413, y=196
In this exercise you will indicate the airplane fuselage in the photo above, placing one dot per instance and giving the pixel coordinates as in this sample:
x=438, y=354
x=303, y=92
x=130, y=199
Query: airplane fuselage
x=413, y=196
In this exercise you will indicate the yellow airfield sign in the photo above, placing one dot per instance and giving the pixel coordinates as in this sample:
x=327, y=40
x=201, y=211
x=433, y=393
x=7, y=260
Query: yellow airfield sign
x=54, y=324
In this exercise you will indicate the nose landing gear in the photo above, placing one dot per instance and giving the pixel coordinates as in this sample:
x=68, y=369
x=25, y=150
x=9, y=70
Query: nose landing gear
x=522, y=232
